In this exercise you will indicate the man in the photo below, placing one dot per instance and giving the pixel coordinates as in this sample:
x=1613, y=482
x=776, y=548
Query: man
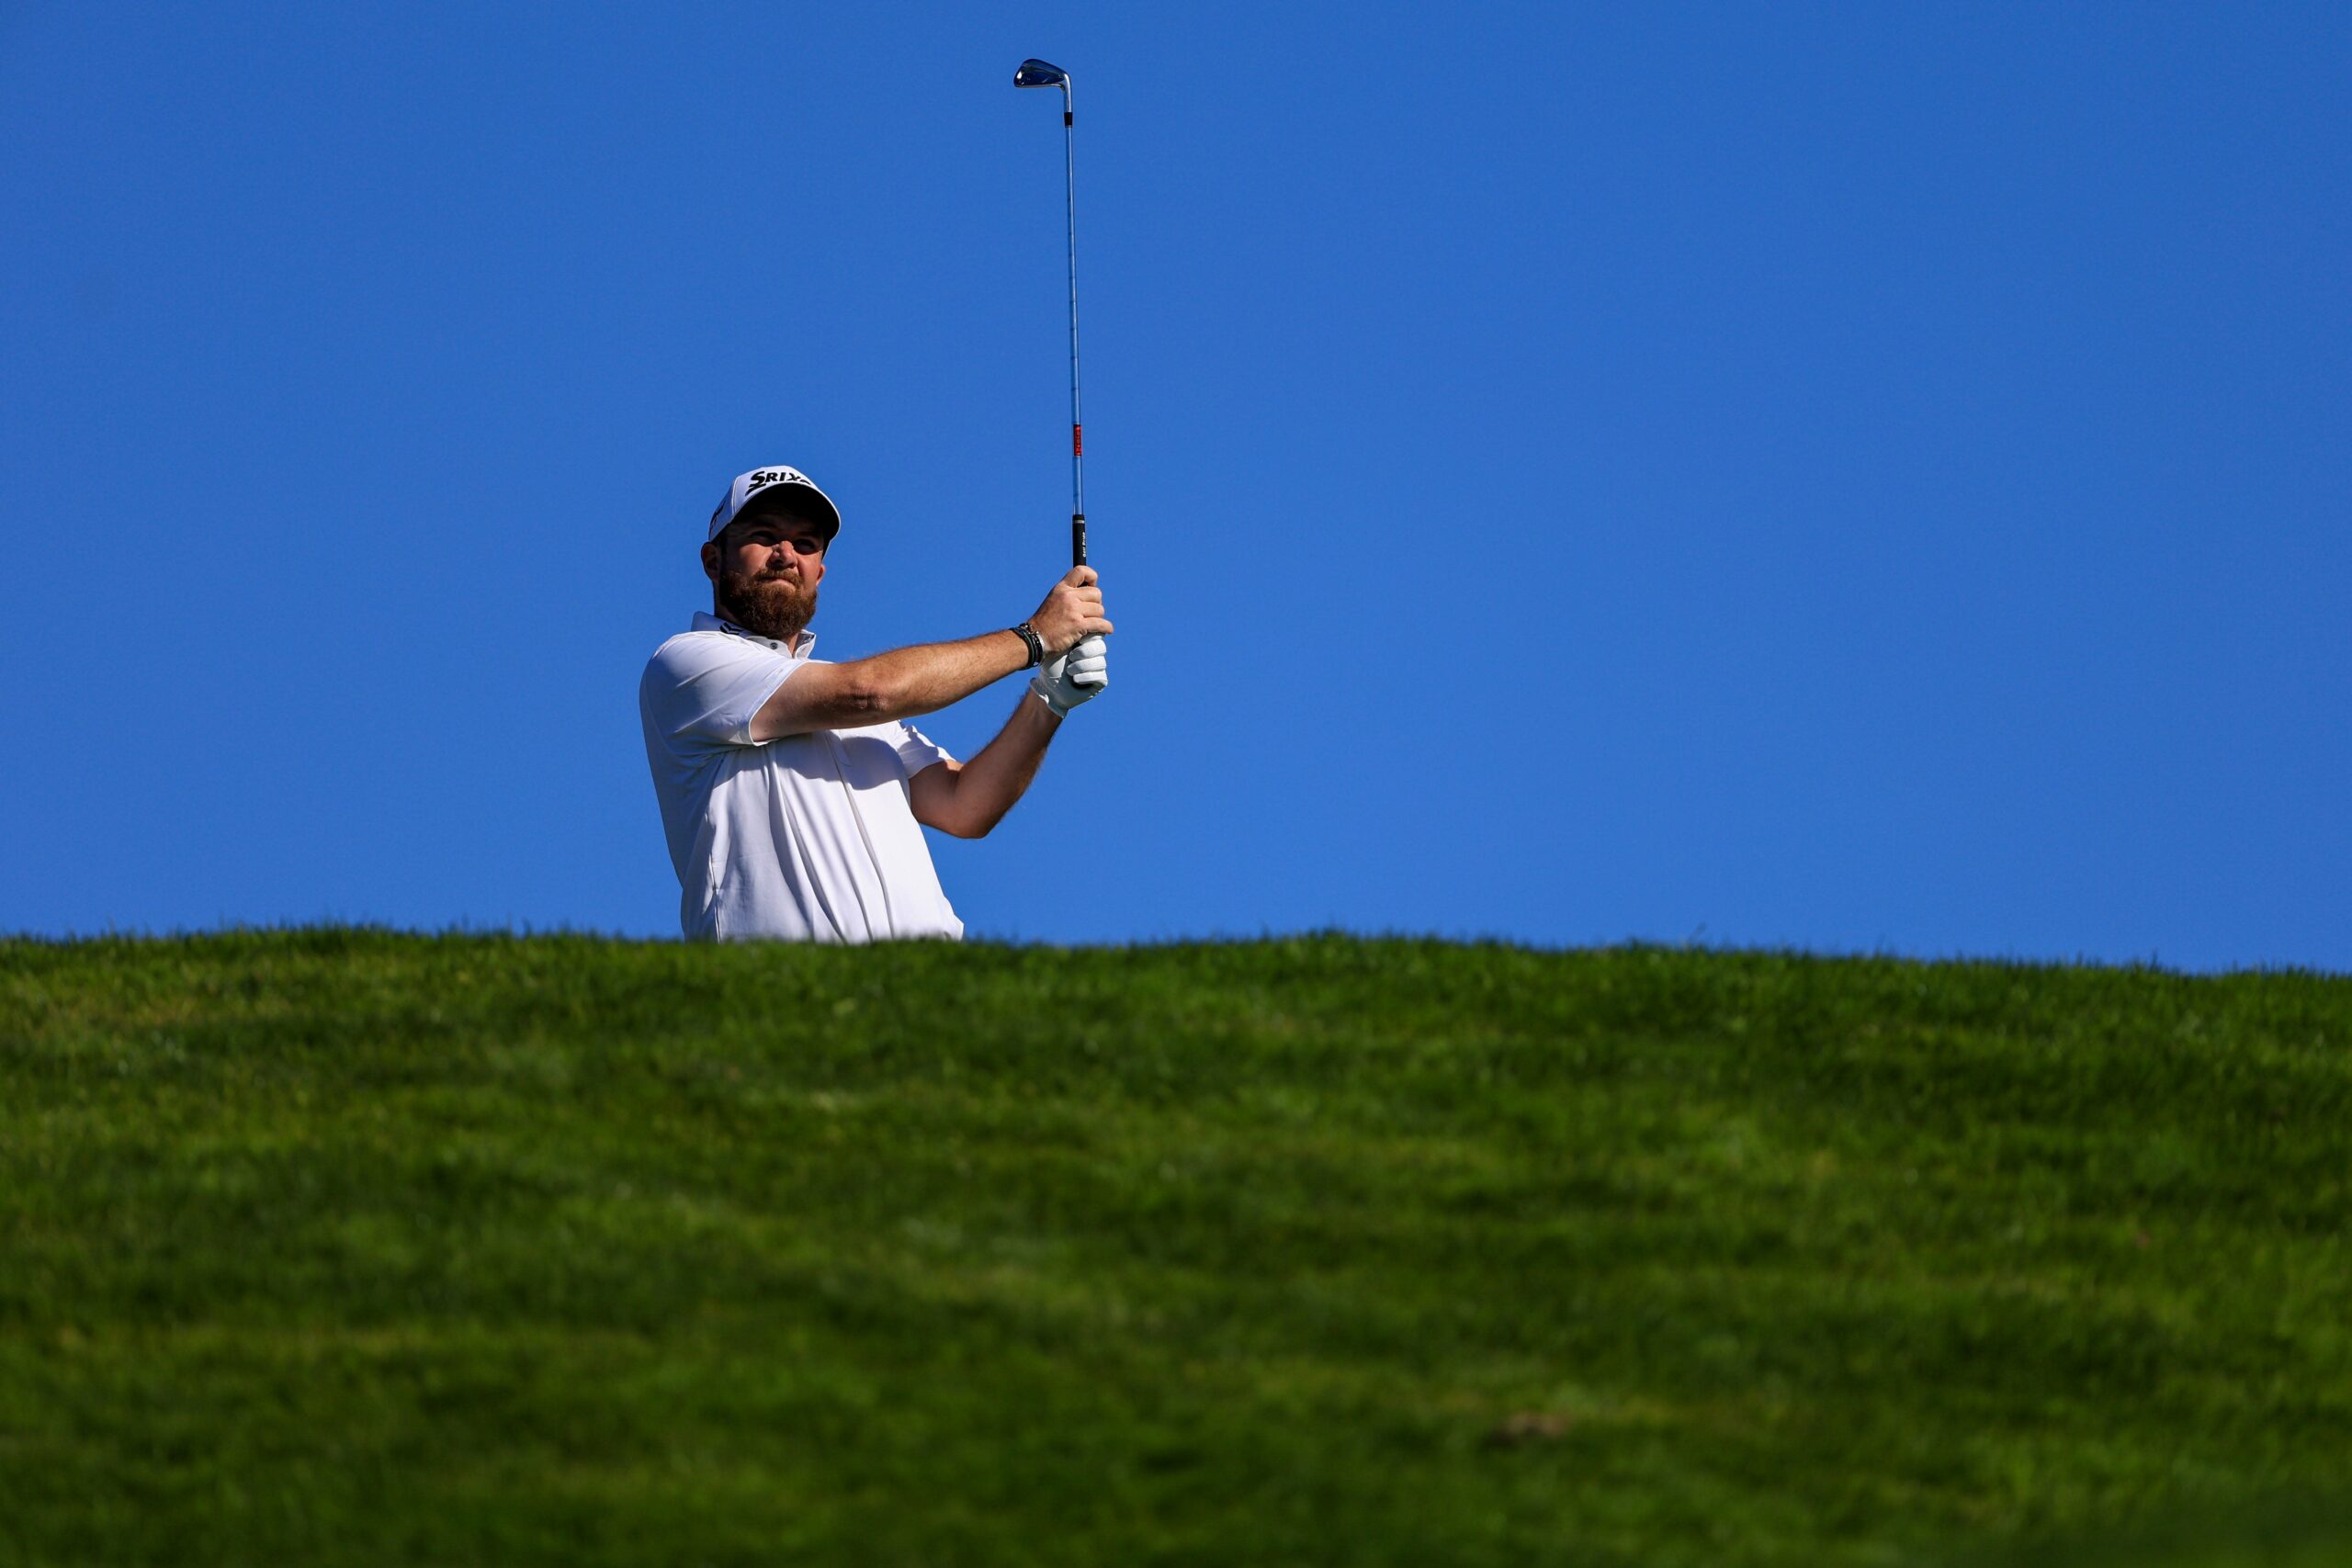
x=791, y=788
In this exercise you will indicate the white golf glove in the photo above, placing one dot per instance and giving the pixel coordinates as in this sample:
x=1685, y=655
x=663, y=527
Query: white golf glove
x=1069, y=679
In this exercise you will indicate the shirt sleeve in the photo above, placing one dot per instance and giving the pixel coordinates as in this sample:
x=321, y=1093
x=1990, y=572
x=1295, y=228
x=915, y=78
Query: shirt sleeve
x=702, y=689
x=917, y=751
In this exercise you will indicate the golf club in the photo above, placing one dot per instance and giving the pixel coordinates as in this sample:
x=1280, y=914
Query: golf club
x=1037, y=74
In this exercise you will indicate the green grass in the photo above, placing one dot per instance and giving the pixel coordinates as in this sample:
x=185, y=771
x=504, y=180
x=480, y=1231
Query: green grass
x=339, y=1246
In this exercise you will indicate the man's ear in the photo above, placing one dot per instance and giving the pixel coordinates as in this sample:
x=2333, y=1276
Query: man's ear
x=710, y=560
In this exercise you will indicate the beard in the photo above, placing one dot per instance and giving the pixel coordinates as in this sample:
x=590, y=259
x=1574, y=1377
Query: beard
x=772, y=606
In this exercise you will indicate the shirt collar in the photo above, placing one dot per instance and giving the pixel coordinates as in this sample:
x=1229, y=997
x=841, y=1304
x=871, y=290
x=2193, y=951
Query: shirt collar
x=797, y=647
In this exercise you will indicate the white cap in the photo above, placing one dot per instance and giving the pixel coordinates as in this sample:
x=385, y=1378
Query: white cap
x=762, y=482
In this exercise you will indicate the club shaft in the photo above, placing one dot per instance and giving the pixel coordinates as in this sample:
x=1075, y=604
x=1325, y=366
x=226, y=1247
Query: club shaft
x=1077, y=428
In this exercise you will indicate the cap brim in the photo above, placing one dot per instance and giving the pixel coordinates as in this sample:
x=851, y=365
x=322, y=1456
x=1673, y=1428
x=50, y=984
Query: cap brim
x=789, y=495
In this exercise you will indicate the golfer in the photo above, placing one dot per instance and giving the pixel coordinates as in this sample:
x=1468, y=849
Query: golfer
x=792, y=788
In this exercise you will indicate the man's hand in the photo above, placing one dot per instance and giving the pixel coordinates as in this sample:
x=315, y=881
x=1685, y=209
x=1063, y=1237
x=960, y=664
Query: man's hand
x=1071, y=613
x=1071, y=678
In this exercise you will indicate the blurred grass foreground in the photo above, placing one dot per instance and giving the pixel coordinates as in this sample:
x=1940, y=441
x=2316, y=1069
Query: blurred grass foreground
x=346, y=1246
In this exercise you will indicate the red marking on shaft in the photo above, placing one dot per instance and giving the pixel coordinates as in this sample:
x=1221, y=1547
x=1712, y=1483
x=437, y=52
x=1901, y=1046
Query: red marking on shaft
x=1077, y=445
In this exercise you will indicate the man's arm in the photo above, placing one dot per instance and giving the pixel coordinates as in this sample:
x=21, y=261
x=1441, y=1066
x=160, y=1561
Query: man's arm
x=898, y=684
x=967, y=799
x=910, y=680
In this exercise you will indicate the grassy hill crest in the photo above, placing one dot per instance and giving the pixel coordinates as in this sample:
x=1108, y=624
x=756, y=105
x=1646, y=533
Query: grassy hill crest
x=347, y=1245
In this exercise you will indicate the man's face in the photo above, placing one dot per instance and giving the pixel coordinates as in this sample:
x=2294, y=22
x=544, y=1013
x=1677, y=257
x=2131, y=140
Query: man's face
x=765, y=570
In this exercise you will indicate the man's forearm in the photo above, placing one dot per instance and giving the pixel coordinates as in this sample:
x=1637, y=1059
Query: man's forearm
x=931, y=675
x=898, y=684
x=987, y=786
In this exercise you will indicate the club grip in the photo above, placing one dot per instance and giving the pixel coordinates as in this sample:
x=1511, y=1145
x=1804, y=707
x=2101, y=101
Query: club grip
x=1078, y=538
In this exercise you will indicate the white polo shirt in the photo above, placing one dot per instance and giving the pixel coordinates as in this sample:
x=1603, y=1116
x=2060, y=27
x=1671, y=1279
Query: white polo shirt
x=809, y=837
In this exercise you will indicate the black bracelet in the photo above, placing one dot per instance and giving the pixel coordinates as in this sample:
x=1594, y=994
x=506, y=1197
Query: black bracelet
x=1028, y=634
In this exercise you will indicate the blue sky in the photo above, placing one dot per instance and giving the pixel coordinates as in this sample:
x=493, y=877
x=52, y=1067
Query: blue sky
x=1854, y=478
